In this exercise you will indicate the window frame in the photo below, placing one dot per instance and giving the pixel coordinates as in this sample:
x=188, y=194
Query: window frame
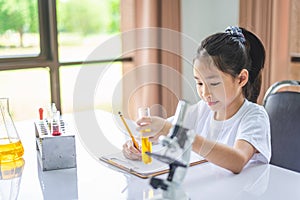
x=48, y=57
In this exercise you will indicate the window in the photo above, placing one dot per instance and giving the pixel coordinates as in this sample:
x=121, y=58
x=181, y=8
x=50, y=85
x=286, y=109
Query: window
x=27, y=89
x=43, y=45
x=19, y=28
x=82, y=27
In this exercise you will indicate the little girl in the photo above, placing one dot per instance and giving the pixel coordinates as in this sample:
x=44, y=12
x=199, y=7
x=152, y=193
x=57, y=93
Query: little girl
x=231, y=128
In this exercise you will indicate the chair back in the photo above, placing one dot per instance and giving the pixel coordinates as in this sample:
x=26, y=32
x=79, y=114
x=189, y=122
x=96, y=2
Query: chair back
x=283, y=109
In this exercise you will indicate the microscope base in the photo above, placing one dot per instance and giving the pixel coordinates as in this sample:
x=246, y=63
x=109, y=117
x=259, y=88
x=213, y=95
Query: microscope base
x=172, y=193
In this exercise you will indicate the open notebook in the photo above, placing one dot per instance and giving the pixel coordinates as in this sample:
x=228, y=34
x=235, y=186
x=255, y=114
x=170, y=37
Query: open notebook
x=142, y=170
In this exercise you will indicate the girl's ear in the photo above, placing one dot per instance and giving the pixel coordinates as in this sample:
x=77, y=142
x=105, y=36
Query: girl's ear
x=243, y=77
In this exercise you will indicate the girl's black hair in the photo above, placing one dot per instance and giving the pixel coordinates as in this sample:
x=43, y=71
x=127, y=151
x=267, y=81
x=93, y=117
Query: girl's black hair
x=234, y=50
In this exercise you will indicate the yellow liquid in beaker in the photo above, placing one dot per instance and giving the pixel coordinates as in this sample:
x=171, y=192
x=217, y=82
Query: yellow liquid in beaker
x=10, y=149
x=146, y=147
x=12, y=169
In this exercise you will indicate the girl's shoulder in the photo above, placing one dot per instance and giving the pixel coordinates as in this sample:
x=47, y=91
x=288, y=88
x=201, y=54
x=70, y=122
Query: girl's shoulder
x=250, y=109
x=254, y=107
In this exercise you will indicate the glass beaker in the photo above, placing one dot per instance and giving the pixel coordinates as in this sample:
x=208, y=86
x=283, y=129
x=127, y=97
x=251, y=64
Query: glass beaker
x=146, y=144
x=11, y=147
x=10, y=178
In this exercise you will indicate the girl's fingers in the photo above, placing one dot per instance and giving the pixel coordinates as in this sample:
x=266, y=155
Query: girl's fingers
x=144, y=121
x=130, y=152
x=143, y=128
x=154, y=138
x=134, y=150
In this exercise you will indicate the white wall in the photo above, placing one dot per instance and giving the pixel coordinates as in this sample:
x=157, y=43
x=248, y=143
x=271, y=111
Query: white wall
x=200, y=18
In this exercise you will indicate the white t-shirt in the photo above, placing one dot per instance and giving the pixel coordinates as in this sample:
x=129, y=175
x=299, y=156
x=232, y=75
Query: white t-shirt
x=250, y=123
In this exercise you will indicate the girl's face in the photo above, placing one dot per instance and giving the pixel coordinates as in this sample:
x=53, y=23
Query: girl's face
x=221, y=92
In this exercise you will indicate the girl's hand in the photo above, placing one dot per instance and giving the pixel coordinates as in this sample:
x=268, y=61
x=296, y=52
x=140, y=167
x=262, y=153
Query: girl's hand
x=153, y=127
x=130, y=152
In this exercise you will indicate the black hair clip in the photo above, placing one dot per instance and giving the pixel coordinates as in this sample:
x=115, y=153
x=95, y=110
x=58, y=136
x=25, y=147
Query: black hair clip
x=237, y=32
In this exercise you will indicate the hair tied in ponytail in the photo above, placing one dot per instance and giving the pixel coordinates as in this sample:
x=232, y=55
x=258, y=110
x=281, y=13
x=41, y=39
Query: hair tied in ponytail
x=236, y=32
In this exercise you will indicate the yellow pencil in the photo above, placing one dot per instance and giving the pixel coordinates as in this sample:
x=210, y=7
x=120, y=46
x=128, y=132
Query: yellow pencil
x=132, y=138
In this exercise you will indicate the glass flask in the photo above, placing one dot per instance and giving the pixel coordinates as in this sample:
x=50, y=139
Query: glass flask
x=11, y=147
x=10, y=178
x=146, y=144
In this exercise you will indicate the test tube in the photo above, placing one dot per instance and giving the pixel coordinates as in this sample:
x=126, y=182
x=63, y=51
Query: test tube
x=146, y=144
x=55, y=125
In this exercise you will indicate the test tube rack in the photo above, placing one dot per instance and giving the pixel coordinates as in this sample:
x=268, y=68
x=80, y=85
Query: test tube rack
x=54, y=152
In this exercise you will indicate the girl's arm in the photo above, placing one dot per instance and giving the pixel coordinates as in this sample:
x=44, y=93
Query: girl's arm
x=231, y=158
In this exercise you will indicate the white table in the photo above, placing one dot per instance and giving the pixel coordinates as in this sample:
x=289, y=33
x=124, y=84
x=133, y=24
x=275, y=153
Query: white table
x=94, y=180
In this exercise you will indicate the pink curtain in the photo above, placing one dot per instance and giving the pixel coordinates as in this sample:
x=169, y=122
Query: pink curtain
x=150, y=35
x=270, y=20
